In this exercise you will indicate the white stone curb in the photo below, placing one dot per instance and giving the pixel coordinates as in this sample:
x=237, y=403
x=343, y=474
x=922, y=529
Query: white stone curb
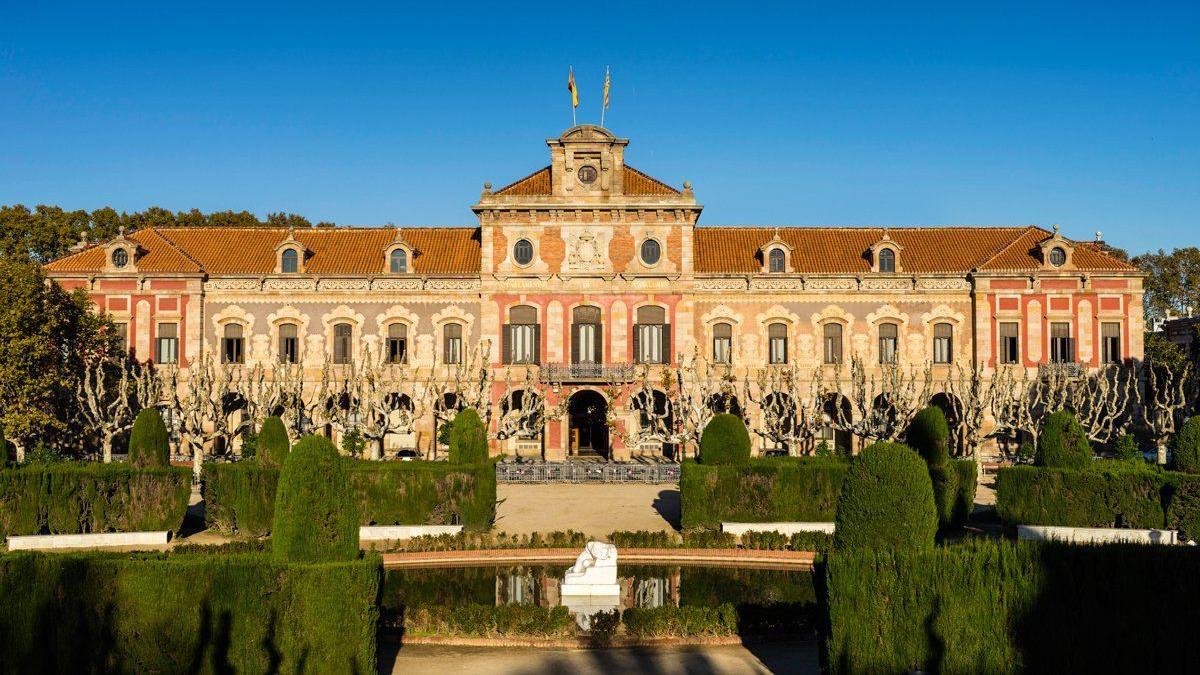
x=783, y=528
x=393, y=532
x=1096, y=535
x=39, y=542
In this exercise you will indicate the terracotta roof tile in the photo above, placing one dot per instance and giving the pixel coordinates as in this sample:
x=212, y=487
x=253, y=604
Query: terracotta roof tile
x=533, y=185
x=235, y=250
x=926, y=250
x=638, y=183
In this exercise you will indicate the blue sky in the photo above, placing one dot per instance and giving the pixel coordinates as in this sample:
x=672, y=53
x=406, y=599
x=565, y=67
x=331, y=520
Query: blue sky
x=1083, y=114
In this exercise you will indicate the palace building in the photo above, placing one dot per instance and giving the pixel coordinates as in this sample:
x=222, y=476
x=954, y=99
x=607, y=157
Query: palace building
x=593, y=281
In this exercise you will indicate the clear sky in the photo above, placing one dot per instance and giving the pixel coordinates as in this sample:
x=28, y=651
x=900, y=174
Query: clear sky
x=1085, y=114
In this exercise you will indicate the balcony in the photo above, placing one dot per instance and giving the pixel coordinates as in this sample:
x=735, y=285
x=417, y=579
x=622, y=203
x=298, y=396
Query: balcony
x=1068, y=369
x=588, y=372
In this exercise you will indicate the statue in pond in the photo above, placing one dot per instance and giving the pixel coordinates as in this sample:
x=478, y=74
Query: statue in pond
x=594, y=571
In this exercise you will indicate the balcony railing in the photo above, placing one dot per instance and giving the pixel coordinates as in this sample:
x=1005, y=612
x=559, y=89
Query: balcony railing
x=588, y=372
x=1068, y=369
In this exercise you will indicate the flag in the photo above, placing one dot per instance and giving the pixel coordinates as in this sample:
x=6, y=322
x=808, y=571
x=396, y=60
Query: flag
x=607, y=84
x=571, y=88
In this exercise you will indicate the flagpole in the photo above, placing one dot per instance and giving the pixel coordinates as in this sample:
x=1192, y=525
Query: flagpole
x=604, y=98
x=572, y=99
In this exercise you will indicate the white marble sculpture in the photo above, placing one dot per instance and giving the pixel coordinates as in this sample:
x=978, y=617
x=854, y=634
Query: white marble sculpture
x=594, y=571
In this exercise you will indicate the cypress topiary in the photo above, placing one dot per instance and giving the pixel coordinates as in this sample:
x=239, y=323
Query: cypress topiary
x=316, y=518
x=1063, y=444
x=5, y=450
x=1187, y=447
x=944, y=479
x=149, y=444
x=725, y=441
x=886, y=501
x=273, y=443
x=468, y=439
x=929, y=434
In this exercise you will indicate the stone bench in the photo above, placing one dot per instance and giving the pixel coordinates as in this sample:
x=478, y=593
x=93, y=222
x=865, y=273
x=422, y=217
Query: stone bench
x=1096, y=535
x=394, y=532
x=46, y=542
x=739, y=529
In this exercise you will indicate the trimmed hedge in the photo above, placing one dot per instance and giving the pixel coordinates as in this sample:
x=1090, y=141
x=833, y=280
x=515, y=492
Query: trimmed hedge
x=765, y=490
x=149, y=444
x=489, y=620
x=1062, y=443
x=468, y=438
x=725, y=441
x=1110, y=494
x=929, y=434
x=240, y=497
x=112, y=613
x=1002, y=607
x=1186, y=455
x=273, y=443
x=316, y=518
x=964, y=500
x=687, y=621
x=79, y=498
x=886, y=501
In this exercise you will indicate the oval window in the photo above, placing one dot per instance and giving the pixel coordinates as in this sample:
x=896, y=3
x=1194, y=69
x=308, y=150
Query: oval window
x=120, y=258
x=1058, y=256
x=651, y=252
x=523, y=252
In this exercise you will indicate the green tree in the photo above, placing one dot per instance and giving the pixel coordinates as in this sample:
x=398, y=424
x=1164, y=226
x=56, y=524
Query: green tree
x=1063, y=443
x=316, y=518
x=468, y=439
x=725, y=440
x=149, y=444
x=886, y=501
x=1160, y=351
x=1186, y=455
x=273, y=443
x=1172, y=283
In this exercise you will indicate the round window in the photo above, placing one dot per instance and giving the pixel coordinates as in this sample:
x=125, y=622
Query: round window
x=651, y=252
x=523, y=252
x=587, y=175
x=1058, y=256
x=120, y=257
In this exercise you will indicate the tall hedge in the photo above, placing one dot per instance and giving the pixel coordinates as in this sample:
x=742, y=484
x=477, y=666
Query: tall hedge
x=763, y=491
x=316, y=519
x=886, y=501
x=7, y=457
x=468, y=438
x=990, y=606
x=1186, y=455
x=149, y=444
x=195, y=613
x=79, y=498
x=1062, y=443
x=929, y=434
x=273, y=443
x=725, y=440
x=239, y=497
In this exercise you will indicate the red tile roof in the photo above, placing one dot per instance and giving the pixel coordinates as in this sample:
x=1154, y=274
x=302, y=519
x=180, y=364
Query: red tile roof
x=538, y=184
x=535, y=184
x=638, y=183
x=236, y=250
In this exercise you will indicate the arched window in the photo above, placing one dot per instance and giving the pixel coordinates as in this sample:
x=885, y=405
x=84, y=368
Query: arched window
x=398, y=261
x=651, y=252
x=522, y=336
x=289, y=343
x=651, y=335
x=120, y=258
x=290, y=262
x=723, y=343
x=587, y=336
x=342, y=349
x=777, y=260
x=887, y=260
x=889, y=342
x=397, y=343
x=232, y=344
x=833, y=343
x=943, y=343
x=523, y=252
x=452, y=343
x=777, y=347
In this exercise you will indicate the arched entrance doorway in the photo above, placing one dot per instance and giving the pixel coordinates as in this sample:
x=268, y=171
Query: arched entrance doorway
x=588, y=412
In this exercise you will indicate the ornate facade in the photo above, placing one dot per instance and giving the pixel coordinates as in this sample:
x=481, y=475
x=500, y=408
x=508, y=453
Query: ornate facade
x=592, y=281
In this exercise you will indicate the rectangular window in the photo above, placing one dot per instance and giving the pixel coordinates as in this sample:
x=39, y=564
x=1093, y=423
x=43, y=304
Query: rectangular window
x=523, y=340
x=1062, y=348
x=289, y=343
x=889, y=338
x=777, y=347
x=586, y=349
x=723, y=344
x=943, y=343
x=397, y=344
x=1010, y=342
x=650, y=339
x=1110, y=337
x=833, y=343
x=452, y=344
x=231, y=344
x=121, y=330
x=166, y=345
x=342, y=350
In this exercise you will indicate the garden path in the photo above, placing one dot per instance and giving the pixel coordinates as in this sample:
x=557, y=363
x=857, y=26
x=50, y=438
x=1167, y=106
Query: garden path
x=594, y=509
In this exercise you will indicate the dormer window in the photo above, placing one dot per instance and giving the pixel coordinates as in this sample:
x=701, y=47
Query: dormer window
x=777, y=261
x=120, y=258
x=289, y=263
x=398, y=261
x=884, y=255
x=1057, y=251
x=887, y=261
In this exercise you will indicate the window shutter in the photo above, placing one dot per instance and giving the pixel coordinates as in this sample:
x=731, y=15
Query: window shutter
x=445, y=346
x=637, y=340
x=537, y=343
x=574, y=343
x=666, y=343
x=506, y=344
x=598, y=344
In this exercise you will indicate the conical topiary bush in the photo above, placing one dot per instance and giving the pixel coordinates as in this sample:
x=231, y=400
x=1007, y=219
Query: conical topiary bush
x=149, y=444
x=316, y=518
x=886, y=501
x=468, y=439
x=273, y=443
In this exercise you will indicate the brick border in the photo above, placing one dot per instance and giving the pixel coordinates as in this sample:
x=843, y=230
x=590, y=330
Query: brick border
x=721, y=557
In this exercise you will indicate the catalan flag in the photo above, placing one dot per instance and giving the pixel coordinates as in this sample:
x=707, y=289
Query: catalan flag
x=571, y=88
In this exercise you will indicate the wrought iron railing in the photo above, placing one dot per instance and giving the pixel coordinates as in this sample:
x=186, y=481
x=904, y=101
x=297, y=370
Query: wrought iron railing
x=1068, y=369
x=588, y=372
x=587, y=472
